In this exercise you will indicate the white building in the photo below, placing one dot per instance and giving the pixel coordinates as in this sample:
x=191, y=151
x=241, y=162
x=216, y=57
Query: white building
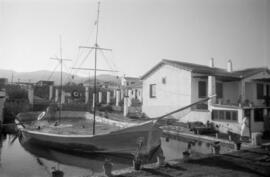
x=171, y=85
x=133, y=86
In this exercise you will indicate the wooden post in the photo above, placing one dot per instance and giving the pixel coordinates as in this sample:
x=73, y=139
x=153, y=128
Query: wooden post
x=56, y=95
x=86, y=95
x=93, y=104
x=114, y=93
x=50, y=92
x=117, y=98
x=125, y=106
x=63, y=96
x=108, y=97
x=129, y=97
x=99, y=97
x=31, y=95
x=108, y=168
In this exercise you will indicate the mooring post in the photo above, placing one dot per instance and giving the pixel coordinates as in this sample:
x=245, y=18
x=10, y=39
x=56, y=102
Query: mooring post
x=237, y=146
x=216, y=147
x=160, y=157
x=186, y=156
x=108, y=168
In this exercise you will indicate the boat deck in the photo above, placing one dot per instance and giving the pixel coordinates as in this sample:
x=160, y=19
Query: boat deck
x=72, y=127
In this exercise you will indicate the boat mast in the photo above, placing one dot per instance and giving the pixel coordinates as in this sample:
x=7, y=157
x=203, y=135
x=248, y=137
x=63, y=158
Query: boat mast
x=61, y=59
x=95, y=72
x=96, y=48
x=61, y=80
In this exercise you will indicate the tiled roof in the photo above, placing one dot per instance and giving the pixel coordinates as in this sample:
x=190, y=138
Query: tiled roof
x=203, y=69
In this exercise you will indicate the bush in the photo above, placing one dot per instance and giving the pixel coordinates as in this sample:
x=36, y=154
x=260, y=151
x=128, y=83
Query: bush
x=16, y=92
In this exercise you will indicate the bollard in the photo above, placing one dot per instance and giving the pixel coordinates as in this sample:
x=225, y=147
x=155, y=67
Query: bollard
x=216, y=148
x=57, y=173
x=108, y=168
x=160, y=157
x=238, y=146
x=186, y=156
x=137, y=158
x=137, y=164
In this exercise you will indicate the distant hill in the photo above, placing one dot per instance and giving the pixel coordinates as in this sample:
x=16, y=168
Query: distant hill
x=39, y=75
x=36, y=76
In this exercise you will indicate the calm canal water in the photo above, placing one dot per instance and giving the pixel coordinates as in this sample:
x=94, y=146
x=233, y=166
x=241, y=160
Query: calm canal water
x=21, y=159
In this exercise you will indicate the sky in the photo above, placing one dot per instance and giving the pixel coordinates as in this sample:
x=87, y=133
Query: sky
x=140, y=33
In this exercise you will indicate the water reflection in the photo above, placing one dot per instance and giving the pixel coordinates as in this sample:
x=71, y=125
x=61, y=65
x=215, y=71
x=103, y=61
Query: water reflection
x=19, y=158
x=173, y=147
x=92, y=162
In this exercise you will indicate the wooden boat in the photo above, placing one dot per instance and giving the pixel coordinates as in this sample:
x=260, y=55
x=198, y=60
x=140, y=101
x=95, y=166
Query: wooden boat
x=143, y=138
x=111, y=136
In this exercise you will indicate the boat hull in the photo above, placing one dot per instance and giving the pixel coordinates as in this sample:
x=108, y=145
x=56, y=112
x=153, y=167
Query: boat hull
x=124, y=141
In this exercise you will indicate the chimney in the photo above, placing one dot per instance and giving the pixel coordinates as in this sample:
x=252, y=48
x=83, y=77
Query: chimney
x=211, y=64
x=229, y=66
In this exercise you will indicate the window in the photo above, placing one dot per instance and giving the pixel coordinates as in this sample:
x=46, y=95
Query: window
x=164, y=80
x=228, y=115
x=258, y=115
x=202, y=89
x=152, y=90
x=215, y=115
x=234, y=116
x=224, y=115
x=219, y=90
x=259, y=91
x=268, y=90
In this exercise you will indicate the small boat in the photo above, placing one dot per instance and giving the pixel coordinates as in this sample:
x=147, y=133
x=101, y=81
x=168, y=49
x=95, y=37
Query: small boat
x=112, y=137
x=74, y=134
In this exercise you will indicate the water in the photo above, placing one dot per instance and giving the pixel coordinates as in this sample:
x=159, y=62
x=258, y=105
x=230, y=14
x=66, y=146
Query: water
x=25, y=160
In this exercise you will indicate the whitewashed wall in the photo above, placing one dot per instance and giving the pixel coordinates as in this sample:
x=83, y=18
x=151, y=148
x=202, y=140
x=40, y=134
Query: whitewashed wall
x=231, y=91
x=197, y=115
x=174, y=94
x=225, y=126
x=251, y=93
